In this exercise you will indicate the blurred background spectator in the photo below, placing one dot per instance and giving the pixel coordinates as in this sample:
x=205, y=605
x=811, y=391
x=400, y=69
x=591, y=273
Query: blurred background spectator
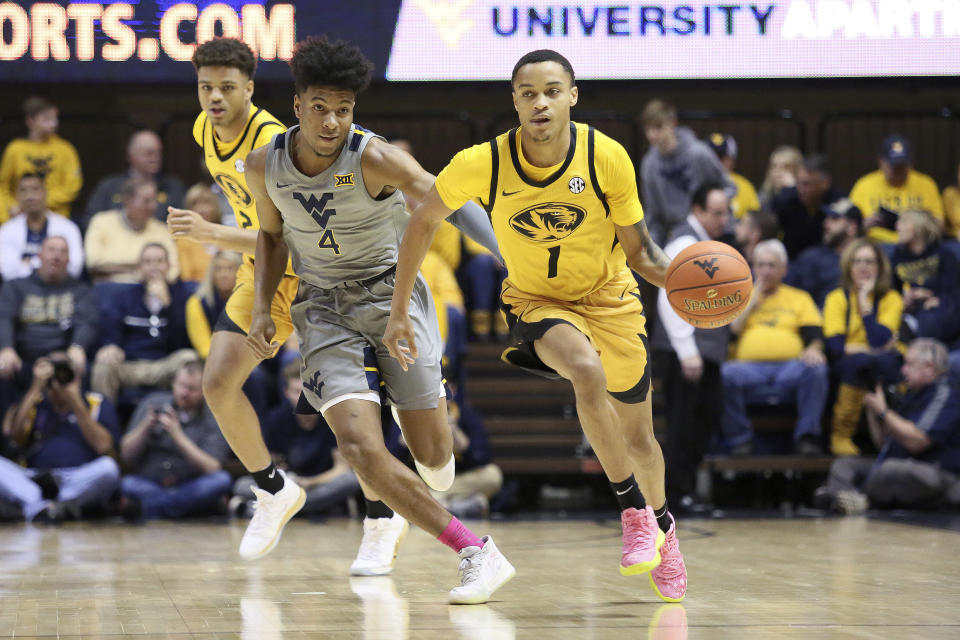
x=673, y=167
x=799, y=208
x=115, y=238
x=144, y=328
x=43, y=153
x=195, y=255
x=861, y=322
x=21, y=236
x=817, y=269
x=782, y=169
x=894, y=188
x=918, y=438
x=144, y=161
x=778, y=357
x=45, y=312
x=746, y=198
x=65, y=439
x=175, y=452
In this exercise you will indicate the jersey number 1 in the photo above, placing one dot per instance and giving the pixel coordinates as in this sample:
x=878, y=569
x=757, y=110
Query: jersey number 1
x=552, y=264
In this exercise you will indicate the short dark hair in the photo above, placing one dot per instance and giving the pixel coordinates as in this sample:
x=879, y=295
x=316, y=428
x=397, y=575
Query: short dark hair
x=317, y=62
x=817, y=163
x=765, y=222
x=35, y=105
x=191, y=367
x=699, y=198
x=225, y=52
x=543, y=55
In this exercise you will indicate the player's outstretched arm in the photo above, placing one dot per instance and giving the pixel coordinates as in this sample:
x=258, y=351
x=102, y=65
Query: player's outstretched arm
x=643, y=254
x=430, y=212
x=270, y=258
x=184, y=223
x=390, y=166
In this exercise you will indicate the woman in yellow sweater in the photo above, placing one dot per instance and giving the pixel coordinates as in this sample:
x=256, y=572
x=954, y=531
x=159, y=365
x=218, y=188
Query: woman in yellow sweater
x=861, y=321
x=206, y=305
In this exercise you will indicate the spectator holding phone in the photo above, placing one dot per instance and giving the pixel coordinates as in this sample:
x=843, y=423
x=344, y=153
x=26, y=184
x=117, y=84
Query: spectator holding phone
x=861, y=321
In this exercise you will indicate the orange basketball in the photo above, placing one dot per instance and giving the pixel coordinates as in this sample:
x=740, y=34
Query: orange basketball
x=709, y=284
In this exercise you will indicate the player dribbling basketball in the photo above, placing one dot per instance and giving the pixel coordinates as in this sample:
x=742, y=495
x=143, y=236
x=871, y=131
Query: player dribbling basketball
x=563, y=201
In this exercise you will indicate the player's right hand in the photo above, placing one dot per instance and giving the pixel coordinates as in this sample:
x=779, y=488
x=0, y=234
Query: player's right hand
x=400, y=328
x=260, y=336
x=183, y=223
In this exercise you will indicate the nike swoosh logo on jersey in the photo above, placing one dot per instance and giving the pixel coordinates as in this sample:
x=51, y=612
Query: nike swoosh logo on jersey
x=510, y=193
x=283, y=186
x=272, y=473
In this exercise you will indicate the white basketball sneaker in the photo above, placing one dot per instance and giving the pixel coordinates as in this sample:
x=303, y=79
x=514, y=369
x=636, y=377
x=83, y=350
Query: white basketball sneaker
x=271, y=513
x=378, y=548
x=482, y=571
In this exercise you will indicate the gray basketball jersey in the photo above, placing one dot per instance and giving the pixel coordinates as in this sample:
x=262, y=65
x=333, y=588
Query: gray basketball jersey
x=335, y=231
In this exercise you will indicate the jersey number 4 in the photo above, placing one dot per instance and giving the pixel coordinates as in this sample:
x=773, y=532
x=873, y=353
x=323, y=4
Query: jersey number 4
x=321, y=213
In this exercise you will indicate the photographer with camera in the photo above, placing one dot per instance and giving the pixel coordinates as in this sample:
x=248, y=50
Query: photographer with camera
x=918, y=438
x=861, y=320
x=174, y=449
x=65, y=440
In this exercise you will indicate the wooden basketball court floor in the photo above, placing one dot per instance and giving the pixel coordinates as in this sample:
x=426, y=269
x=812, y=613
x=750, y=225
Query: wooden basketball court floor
x=802, y=578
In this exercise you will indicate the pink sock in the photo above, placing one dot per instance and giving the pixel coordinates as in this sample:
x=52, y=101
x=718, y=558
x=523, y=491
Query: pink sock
x=458, y=537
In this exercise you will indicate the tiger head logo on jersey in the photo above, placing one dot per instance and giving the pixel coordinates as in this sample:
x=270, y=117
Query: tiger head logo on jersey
x=548, y=222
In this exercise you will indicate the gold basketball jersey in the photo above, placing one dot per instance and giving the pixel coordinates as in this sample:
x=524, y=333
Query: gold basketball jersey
x=225, y=161
x=557, y=234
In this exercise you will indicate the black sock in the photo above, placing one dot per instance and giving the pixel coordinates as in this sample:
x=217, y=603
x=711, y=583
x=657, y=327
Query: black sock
x=663, y=518
x=268, y=479
x=628, y=494
x=377, y=509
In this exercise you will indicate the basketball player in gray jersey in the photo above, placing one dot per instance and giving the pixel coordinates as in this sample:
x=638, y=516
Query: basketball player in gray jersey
x=328, y=195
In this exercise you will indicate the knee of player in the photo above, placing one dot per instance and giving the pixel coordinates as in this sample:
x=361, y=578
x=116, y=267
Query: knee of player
x=586, y=374
x=430, y=454
x=357, y=450
x=642, y=444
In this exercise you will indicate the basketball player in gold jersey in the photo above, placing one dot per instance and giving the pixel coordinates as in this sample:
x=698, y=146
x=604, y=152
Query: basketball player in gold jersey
x=562, y=198
x=229, y=127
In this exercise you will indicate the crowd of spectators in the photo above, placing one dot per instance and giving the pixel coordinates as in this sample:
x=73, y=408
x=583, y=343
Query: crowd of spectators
x=105, y=321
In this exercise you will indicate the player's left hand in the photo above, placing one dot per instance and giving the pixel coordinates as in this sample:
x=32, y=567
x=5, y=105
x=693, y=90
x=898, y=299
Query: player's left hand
x=400, y=328
x=183, y=223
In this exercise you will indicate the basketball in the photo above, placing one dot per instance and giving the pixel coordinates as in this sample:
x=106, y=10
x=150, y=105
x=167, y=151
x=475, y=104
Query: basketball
x=709, y=284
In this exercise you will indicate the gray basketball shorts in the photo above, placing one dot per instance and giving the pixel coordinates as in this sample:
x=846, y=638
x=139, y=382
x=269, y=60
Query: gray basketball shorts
x=341, y=332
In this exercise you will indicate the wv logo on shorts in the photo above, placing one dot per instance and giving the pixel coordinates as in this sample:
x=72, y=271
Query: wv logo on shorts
x=548, y=222
x=708, y=266
x=315, y=384
x=317, y=208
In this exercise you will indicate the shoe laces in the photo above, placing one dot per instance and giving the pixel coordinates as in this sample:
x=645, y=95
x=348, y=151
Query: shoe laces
x=372, y=541
x=265, y=509
x=671, y=562
x=641, y=535
x=470, y=567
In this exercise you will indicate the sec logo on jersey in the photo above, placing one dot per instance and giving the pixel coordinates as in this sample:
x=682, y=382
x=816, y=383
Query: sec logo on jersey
x=577, y=184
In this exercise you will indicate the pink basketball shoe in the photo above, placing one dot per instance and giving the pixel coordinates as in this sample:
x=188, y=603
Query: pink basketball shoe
x=642, y=539
x=669, y=578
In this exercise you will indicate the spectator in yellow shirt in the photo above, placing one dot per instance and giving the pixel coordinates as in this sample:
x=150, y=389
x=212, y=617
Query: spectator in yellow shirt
x=746, y=199
x=951, y=209
x=43, y=153
x=778, y=357
x=116, y=238
x=861, y=320
x=895, y=187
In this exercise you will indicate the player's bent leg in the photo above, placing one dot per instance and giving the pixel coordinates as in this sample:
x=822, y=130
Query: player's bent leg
x=356, y=424
x=429, y=438
x=228, y=365
x=567, y=351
